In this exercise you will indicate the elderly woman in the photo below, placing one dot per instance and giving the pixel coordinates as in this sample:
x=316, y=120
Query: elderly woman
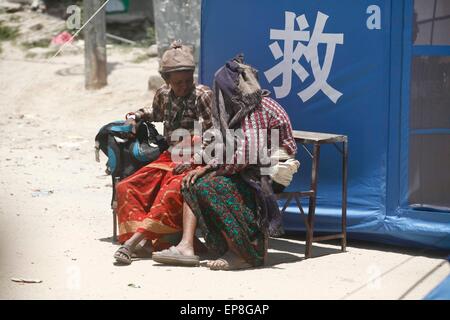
x=232, y=203
x=150, y=200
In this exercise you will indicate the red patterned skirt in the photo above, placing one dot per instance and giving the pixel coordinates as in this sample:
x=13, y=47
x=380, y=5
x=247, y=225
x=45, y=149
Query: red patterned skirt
x=150, y=202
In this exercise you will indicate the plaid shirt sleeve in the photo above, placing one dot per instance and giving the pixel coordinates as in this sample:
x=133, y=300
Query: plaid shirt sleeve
x=204, y=107
x=156, y=112
x=282, y=122
x=205, y=96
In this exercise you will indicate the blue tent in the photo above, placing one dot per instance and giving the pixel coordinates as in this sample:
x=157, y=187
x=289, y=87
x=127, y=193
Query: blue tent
x=377, y=71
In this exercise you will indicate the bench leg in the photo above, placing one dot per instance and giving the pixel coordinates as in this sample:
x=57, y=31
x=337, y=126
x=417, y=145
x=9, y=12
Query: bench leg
x=344, y=196
x=312, y=201
x=114, y=212
x=288, y=201
x=114, y=209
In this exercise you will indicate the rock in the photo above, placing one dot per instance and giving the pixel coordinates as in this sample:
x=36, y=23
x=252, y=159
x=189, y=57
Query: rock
x=152, y=51
x=155, y=81
x=37, y=27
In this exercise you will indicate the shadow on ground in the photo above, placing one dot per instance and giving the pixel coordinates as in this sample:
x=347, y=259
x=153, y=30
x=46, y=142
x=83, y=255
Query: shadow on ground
x=288, y=249
x=368, y=245
x=107, y=239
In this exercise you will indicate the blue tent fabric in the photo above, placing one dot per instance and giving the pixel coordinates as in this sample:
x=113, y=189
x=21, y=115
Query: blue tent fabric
x=363, y=59
x=442, y=290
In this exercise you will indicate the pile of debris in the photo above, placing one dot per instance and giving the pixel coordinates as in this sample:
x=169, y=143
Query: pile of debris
x=36, y=34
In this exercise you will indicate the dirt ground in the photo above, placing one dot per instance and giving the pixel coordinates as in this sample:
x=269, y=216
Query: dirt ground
x=56, y=223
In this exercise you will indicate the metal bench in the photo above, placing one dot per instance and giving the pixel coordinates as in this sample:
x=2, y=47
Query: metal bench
x=317, y=139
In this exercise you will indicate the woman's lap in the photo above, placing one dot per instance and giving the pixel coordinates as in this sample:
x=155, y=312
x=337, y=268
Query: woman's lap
x=226, y=205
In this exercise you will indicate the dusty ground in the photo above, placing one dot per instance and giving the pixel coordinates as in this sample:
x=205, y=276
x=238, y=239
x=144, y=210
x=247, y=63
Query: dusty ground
x=55, y=220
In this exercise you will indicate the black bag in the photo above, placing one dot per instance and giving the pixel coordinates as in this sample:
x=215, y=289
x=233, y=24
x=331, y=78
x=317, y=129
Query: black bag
x=127, y=155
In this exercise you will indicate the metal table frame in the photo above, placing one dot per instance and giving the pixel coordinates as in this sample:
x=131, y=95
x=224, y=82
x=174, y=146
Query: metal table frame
x=317, y=139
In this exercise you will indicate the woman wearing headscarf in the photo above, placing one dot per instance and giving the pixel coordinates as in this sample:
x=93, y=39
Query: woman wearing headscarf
x=233, y=201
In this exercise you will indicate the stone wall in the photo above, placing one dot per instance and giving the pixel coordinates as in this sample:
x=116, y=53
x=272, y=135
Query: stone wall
x=177, y=19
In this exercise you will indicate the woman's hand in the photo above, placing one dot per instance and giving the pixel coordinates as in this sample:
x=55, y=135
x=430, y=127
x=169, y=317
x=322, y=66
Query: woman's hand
x=193, y=175
x=182, y=167
x=131, y=121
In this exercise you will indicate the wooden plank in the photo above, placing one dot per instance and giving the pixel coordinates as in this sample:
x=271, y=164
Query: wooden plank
x=95, y=45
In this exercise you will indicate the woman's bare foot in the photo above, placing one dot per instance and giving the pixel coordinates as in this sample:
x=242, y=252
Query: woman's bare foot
x=229, y=261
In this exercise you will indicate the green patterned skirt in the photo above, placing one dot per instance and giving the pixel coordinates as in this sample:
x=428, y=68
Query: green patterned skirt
x=226, y=205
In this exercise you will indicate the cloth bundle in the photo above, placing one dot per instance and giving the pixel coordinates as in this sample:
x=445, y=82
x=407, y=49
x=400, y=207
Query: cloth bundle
x=285, y=168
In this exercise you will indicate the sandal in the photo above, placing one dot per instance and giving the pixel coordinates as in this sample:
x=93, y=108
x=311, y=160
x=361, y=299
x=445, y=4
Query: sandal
x=123, y=255
x=174, y=257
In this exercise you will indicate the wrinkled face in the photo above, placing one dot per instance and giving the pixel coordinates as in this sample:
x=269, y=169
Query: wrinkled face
x=181, y=82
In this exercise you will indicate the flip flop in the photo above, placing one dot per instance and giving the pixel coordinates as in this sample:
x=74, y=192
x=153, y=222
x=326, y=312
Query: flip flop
x=125, y=251
x=174, y=257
